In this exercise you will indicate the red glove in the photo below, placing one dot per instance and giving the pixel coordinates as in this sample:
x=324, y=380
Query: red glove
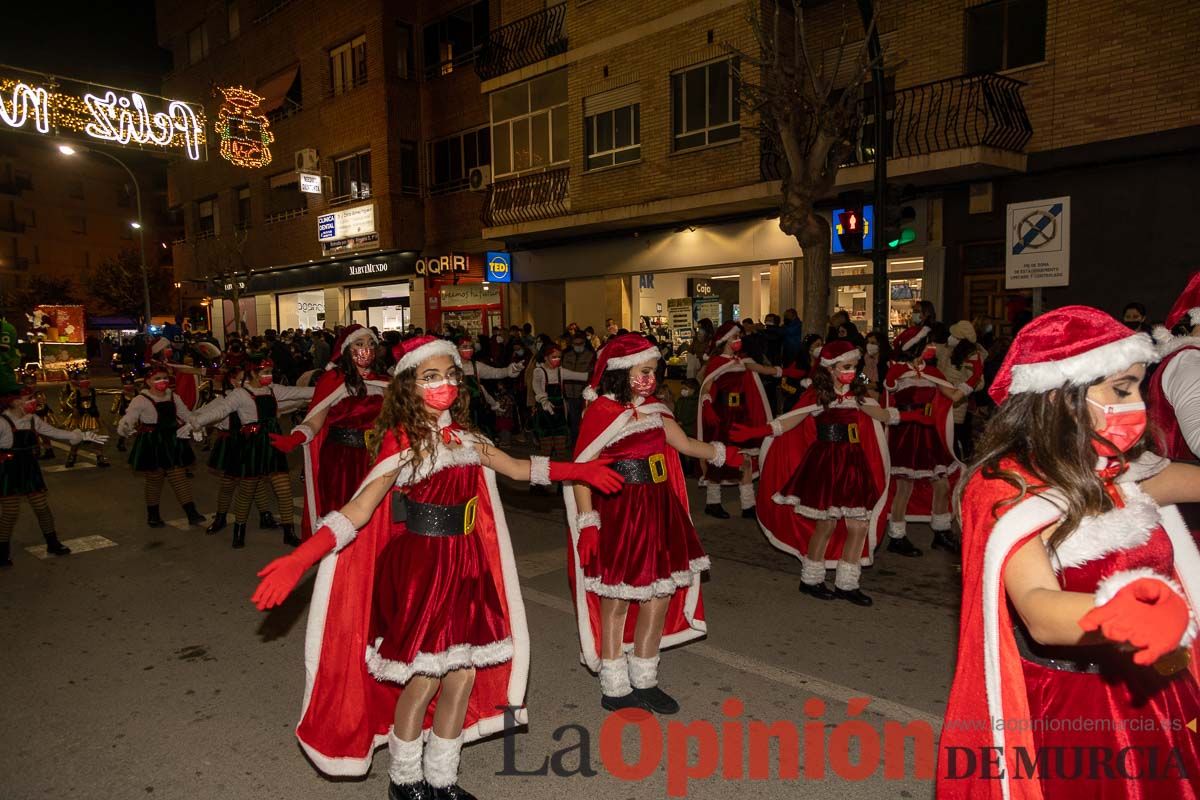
x=288, y=443
x=733, y=457
x=281, y=575
x=1147, y=613
x=746, y=433
x=589, y=545
x=711, y=420
x=795, y=373
x=594, y=473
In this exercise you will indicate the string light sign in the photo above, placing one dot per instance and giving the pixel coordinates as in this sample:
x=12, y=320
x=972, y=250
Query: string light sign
x=245, y=134
x=49, y=105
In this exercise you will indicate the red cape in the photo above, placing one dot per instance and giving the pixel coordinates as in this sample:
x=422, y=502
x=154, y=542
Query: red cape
x=347, y=713
x=1167, y=435
x=780, y=458
x=920, y=504
x=989, y=683
x=604, y=420
x=756, y=411
x=329, y=391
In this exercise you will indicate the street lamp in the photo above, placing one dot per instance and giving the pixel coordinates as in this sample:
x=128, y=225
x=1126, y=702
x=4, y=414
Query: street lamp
x=68, y=150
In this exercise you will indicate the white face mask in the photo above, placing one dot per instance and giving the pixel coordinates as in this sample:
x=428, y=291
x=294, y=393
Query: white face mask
x=685, y=392
x=872, y=349
x=815, y=352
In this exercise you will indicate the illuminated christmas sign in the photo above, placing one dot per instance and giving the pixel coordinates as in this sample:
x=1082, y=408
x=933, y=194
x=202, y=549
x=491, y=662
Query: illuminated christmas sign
x=245, y=135
x=49, y=105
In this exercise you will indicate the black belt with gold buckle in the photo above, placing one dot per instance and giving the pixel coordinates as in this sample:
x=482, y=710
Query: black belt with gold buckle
x=731, y=399
x=838, y=433
x=642, y=470
x=349, y=437
x=432, y=519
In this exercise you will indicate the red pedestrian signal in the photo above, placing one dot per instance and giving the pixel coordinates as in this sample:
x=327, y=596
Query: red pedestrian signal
x=850, y=230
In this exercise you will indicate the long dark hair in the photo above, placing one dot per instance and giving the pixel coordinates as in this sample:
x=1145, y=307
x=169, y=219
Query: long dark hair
x=823, y=383
x=355, y=386
x=404, y=411
x=961, y=352
x=1050, y=436
x=616, y=383
x=805, y=358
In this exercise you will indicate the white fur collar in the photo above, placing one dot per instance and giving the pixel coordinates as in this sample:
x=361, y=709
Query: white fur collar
x=1120, y=529
x=1171, y=344
x=443, y=457
x=642, y=422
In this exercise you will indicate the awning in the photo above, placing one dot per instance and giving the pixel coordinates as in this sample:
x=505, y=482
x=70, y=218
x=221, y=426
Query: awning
x=275, y=89
x=112, y=323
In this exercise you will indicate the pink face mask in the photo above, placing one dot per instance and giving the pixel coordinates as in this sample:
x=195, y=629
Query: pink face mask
x=644, y=385
x=266, y=380
x=846, y=378
x=440, y=395
x=736, y=346
x=85, y=384
x=929, y=353
x=29, y=406
x=362, y=356
x=553, y=362
x=1124, y=425
x=466, y=354
x=160, y=385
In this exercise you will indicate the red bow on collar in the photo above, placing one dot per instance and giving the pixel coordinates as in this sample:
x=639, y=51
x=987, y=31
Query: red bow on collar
x=1112, y=470
x=450, y=434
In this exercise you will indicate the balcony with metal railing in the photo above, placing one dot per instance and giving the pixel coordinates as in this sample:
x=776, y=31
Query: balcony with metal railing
x=527, y=198
x=523, y=42
x=969, y=111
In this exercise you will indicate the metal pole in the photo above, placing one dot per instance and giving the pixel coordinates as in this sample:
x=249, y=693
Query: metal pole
x=879, y=279
x=141, y=228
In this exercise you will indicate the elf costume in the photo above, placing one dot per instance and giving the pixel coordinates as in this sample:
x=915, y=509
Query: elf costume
x=82, y=406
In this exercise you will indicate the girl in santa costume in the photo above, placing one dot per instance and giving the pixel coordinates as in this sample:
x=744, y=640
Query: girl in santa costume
x=20, y=473
x=1080, y=583
x=635, y=560
x=258, y=404
x=824, y=475
x=337, y=431
x=1175, y=385
x=921, y=444
x=160, y=451
x=960, y=360
x=550, y=417
x=416, y=635
x=82, y=405
x=731, y=391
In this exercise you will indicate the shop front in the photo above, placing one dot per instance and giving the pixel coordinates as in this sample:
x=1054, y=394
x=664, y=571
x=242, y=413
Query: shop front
x=852, y=283
x=372, y=289
x=458, y=295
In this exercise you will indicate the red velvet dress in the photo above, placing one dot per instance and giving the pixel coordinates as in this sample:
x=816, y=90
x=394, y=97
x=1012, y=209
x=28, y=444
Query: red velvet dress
x=342, y=467
x=436, y=606
x=834, y=480
x=916, y=449
x=648, y=545
x=1142, y=708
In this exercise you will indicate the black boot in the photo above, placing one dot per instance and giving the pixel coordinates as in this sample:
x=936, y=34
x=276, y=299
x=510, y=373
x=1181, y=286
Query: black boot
x=121, y=445
x=5, y=558
x=854, y=596
x=101, y=461
x=54, y=547
x=409, y=791
x=749, y=513
x=902, y=546
x=152, y=517
x=716, y=510
x=451, y=792
x=817, y=590
x=70, y=460
x=266, y=521
x=944, y=540
x=194, y=516
x=631, y=700
x=657, y=700
x=218, y=523
x=289, y=536
x=239, y=535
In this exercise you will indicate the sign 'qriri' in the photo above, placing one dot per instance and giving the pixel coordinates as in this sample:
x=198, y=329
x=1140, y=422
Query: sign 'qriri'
x=67, y=108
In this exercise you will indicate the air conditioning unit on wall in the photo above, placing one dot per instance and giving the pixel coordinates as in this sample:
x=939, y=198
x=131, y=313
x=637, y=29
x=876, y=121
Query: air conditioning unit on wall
x=306, y=159
x=479, y=178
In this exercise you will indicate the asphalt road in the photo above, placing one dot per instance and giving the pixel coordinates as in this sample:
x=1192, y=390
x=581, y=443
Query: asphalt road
x=141, y=670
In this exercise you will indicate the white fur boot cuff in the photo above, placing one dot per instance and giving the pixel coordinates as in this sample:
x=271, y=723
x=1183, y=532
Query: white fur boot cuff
x=811, y=572
x=746, y=494
x=712, y=494
x=614, y=677
x=897, y=530
x=846, y=577
x=441, y=760
x=643, y=672
x=406, y=759
x=940, y=522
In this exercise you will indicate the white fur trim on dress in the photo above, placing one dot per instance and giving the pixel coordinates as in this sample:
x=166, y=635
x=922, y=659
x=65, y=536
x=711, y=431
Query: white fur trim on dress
x=849, y=355
x=643, y=672
x=442, y=457
x=718, y=457
x=650, y=354
x=1108, y=588
x=1101, y=534
x=1084, y=368
x=833, y=512
x=441, y=760
x=344, y=531
x=438, y=347
x=539, y=470
x=358, y=334
x=588, y=519
x=940, y=471
x=663, y=587
x=644, y=422
x=846, y=576
x=435, y=665
x=614, y=676
x=406, y=759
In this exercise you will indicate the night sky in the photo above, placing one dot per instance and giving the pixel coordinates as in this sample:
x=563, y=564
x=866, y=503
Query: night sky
x=111, y=42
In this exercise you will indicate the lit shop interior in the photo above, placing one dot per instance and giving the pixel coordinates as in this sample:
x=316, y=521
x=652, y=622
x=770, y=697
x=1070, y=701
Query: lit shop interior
x=851, y=290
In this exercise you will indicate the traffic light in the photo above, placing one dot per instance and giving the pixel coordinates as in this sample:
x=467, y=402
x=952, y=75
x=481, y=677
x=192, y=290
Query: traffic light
x=900, y=220
x=851, y=225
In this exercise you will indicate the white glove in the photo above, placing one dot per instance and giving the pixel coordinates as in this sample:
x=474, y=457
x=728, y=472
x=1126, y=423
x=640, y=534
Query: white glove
x=494, y=406
x=92, y=436
x=547, y=406
x=516, y=368
x=185, y=430
x=125, y=429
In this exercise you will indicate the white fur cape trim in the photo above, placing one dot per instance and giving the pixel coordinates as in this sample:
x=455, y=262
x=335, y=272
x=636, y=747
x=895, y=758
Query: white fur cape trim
x=344, y=531
x=1118, y=529
x=649, y=355
x=646, y=421
x=587, y=642
x=438, y=347
x=160, y=344
x=436, y=665
x=539, y=470
x=918, y=337
x=518, y=628
x=729, y=335
x=1168, y=343
x=663, y=587
x=1083, y=369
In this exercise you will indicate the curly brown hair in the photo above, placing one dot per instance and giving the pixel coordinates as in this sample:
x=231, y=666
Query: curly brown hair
x=1050, y=436
x=823, y=383
x=404, y=412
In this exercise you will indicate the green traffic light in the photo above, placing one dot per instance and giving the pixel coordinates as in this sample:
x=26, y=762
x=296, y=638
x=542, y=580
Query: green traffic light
x=907, y=236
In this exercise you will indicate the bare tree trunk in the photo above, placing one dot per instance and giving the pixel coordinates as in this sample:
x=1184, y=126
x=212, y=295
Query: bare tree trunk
x=812, y=233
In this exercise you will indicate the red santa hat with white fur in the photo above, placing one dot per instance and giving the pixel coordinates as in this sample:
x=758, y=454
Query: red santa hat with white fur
x=1070, y=346
x=620, y=352
x=411, y=352
x=837, y=352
